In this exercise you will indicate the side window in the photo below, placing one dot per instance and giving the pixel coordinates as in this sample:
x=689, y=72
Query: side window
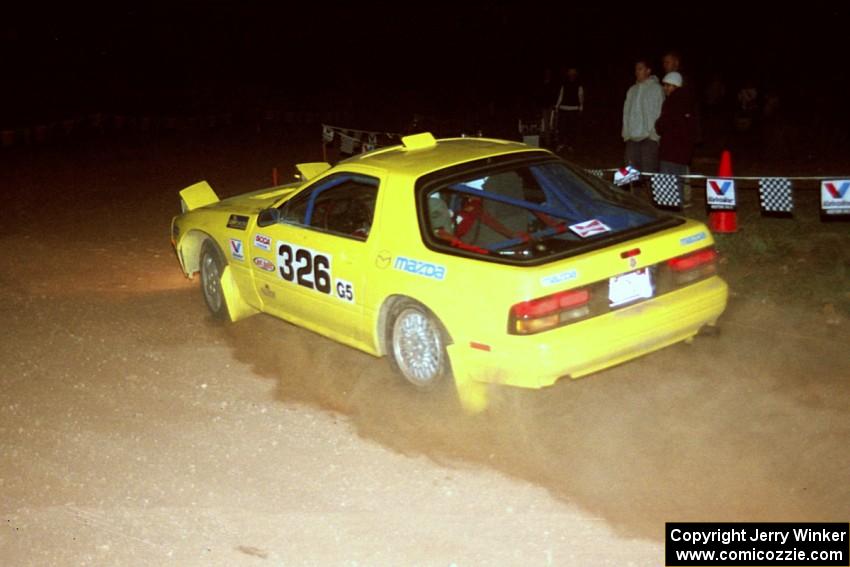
x=475, y=214
x=343, y=204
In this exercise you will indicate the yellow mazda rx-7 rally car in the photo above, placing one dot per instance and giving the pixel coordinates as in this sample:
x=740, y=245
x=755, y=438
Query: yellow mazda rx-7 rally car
x=477, y=259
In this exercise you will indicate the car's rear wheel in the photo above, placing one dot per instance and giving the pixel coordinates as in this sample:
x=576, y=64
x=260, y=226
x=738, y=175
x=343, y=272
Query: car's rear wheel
x=417, y=344
x=212, y=267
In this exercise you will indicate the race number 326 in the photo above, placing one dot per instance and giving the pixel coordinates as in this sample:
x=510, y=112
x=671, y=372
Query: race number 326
x=305, y=267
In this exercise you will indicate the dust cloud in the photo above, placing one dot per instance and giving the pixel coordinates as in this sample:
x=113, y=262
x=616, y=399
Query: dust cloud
x=750, y=425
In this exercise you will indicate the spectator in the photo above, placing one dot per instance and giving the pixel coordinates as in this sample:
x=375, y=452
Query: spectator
x=677, y=128
x=545, y=102
x=640, y=111
x=570, y=105
x=749, y=105
x=672, y=63
x=715, y=92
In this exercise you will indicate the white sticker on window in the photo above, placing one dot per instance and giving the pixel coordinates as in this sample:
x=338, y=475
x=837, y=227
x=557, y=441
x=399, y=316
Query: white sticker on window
x=589, y=228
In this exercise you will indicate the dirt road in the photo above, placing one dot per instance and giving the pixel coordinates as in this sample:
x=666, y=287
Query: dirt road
x=135, y=431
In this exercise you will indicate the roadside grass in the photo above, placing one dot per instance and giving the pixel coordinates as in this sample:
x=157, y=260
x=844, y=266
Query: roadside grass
x=799, y=260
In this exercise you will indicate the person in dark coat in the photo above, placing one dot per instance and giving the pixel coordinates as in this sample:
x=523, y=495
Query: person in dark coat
x=677, y=128
x=672, y=61
x=546, y=100
x=570, y=105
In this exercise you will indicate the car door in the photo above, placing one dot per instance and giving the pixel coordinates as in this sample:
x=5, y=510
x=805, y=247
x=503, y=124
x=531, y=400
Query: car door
x=312, y=266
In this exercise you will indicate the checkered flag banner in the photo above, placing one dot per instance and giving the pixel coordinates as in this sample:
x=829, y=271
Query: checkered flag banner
x=775, y=195
x=596, y=172
x=665, y=190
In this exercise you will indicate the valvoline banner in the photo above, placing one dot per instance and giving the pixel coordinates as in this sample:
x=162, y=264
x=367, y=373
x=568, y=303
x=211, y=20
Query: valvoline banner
x=835, y=196
x=720, y=193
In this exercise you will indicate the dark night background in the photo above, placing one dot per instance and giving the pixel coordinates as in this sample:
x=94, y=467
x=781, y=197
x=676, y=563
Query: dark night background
x=467, y=62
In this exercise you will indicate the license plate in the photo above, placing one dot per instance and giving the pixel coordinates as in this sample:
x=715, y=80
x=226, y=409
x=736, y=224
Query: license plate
x=629, y=287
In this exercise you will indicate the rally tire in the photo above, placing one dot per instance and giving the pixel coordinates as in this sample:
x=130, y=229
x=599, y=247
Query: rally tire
x=416, y=342
x=212, y=267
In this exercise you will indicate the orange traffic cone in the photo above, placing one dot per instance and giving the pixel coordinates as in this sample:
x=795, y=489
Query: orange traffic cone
x=724, y=221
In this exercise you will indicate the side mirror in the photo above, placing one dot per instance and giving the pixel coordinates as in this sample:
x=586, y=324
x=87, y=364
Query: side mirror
x=268, y=217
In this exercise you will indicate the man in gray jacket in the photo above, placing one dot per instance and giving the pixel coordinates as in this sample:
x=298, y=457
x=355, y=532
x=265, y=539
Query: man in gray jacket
x=641, y=110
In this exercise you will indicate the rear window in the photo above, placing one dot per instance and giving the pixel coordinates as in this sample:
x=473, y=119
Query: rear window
x=529, y=212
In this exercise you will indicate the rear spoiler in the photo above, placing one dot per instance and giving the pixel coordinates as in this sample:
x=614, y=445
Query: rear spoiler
x=198, y=195
x=312, y=169
x=201, y=194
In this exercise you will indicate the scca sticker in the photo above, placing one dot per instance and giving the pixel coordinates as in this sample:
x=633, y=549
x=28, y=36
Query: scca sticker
x=262, y=242
x=263, y=264
x=692, y=238
x=236, y=250
x=419, y=268
x=305, y=267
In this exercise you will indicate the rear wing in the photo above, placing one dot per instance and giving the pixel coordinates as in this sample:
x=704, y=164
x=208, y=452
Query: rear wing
x=198, y=195
x=312, y=169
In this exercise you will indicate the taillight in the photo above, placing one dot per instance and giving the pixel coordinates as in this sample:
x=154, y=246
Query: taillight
x=694, y=266
x=548, y=312
x=692, y=260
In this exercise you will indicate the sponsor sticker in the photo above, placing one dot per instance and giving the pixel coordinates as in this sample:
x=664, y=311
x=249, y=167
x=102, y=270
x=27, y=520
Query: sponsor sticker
x=419, y=268
x=692, y=238
x=239, y=222
x=263, y=242
x=589, y=228
x=835, y=196
x=720, y=193
x=263, y=264
x=558, y=278
x=237, y=252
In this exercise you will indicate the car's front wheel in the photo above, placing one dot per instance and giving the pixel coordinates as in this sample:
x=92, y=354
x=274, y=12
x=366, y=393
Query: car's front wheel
x=212, y=267
x=417, y=344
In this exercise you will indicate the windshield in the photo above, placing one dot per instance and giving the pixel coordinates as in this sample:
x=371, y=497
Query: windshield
x=529, y=211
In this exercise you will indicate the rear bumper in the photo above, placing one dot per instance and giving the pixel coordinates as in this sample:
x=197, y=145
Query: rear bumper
x=576, y=350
